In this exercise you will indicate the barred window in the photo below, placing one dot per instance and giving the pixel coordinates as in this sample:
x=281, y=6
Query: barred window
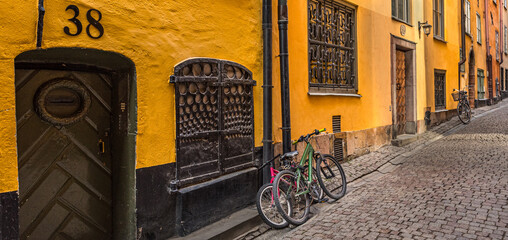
x=440, y=89
x=481, y=84
x=332, y=46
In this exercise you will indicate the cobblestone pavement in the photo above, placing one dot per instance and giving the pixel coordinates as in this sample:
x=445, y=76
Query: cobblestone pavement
x=443, y=186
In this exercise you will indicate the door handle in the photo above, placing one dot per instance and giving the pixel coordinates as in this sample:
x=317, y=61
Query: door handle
x=101, y=146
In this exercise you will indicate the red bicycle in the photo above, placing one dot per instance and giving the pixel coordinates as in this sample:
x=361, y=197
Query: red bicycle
x=264, y=199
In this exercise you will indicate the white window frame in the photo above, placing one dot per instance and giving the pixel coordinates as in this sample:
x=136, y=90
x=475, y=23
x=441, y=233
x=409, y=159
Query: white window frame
x=497, y=45
x=505, y=39
x=478, y=28
x=467, y=14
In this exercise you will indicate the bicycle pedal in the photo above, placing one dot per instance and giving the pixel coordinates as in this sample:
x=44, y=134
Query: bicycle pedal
x=322, y=200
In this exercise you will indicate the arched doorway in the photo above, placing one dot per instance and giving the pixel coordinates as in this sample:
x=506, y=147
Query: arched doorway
x=76, y=163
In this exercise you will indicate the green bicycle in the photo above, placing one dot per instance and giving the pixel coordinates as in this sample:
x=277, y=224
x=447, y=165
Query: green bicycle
x=296, y=188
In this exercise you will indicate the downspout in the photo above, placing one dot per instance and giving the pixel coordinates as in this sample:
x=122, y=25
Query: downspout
x=40, y=23
x=284, y=75
x=267, y=87
x=487, y=43
x=501, y=45
x=487, y=32
x=462, y=37
x=501, y=32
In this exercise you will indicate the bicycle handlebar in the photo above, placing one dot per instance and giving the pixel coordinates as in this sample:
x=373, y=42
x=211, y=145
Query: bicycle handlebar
x=306, y=137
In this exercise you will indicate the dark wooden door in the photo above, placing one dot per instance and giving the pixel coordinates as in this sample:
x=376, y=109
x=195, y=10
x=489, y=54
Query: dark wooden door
x=401, y=91
x=63, y=121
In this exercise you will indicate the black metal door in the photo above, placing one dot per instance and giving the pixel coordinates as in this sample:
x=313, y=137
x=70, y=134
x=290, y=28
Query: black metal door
x=214, y=119
x=63, y=120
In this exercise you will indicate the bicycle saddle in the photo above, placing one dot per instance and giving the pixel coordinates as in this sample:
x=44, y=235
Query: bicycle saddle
x=289, y=155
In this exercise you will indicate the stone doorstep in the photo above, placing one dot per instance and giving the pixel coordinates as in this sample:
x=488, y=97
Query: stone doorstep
x=229, y=227
x=404, y=139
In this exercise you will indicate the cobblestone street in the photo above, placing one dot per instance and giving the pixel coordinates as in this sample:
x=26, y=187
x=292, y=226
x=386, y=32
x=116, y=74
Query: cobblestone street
x=455, y=187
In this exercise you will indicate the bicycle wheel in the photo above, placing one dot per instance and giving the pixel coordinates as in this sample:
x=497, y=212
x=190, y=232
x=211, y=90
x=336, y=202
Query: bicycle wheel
x=266, y=208
x=464, y=112
x=292, y=205
x=331, y=176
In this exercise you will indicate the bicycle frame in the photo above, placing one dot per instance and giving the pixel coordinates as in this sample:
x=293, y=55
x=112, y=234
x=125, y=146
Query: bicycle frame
x=308, y=155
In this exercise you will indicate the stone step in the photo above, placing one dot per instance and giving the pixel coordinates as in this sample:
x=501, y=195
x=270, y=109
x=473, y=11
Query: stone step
x=229, y=227
x=404, y=139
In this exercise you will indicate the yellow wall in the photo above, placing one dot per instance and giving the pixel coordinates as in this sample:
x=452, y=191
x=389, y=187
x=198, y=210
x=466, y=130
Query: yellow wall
x=479, y=49
x=155, y=35
x=373, y=29
x=443, y=55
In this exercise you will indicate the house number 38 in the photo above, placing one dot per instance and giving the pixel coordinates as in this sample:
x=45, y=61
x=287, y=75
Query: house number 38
x=92, y=22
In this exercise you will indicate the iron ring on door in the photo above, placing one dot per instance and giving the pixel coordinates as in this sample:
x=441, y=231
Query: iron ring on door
x=62, y=101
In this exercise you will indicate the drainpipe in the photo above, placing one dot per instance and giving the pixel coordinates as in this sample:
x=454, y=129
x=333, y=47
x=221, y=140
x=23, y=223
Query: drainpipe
x=501, y=45
x=267, y=87
x=284, y=75
x=487, y=41
x=462, y=37
x=501, y=32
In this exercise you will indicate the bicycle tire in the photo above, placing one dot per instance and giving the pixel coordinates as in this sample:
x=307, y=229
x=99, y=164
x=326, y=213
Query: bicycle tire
x=464, y=112
x=266, y=208
x=297, y=207
x=331, y=176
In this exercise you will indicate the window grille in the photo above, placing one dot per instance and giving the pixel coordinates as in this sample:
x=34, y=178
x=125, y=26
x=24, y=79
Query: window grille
x=440, y=89
x=332, y=45
x=481, y=84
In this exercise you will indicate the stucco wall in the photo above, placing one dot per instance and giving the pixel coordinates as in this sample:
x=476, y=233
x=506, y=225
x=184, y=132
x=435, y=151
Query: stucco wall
x=374, y=28
x=155, y=35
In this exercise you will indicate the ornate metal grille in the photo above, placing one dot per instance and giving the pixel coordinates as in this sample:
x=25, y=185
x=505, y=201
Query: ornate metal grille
x=214, y=119
x=440, y=89
x=332, y=46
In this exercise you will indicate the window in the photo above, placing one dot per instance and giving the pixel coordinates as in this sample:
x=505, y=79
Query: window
x=332, y=56
x=481, y=84
x=440, y=89
x=497, y=45
x=505, y=40
x=478, y=28
x=438, y=19
x=401, y=10
x=467, y=8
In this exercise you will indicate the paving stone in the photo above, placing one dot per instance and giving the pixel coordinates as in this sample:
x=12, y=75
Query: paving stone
x=454, y=187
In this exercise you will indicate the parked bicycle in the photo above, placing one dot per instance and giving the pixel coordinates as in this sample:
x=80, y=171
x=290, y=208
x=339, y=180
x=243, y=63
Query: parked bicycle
x=463, y=108
x=296, y=187
x=264, y=199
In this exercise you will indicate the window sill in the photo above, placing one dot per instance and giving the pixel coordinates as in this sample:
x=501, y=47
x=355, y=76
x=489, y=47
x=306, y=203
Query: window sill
x=440, y=39
x=335, y=94
x=438, y=110
x=401, y=21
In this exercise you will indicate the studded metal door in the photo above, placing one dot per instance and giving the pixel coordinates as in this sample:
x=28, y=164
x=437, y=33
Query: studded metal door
x=63, y=121
x=401, y=91
x=214, y=119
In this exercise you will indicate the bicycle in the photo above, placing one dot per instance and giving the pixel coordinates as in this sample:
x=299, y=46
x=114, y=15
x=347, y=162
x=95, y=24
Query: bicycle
x=463, y=108
x=295, y=188
x=264, y=197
